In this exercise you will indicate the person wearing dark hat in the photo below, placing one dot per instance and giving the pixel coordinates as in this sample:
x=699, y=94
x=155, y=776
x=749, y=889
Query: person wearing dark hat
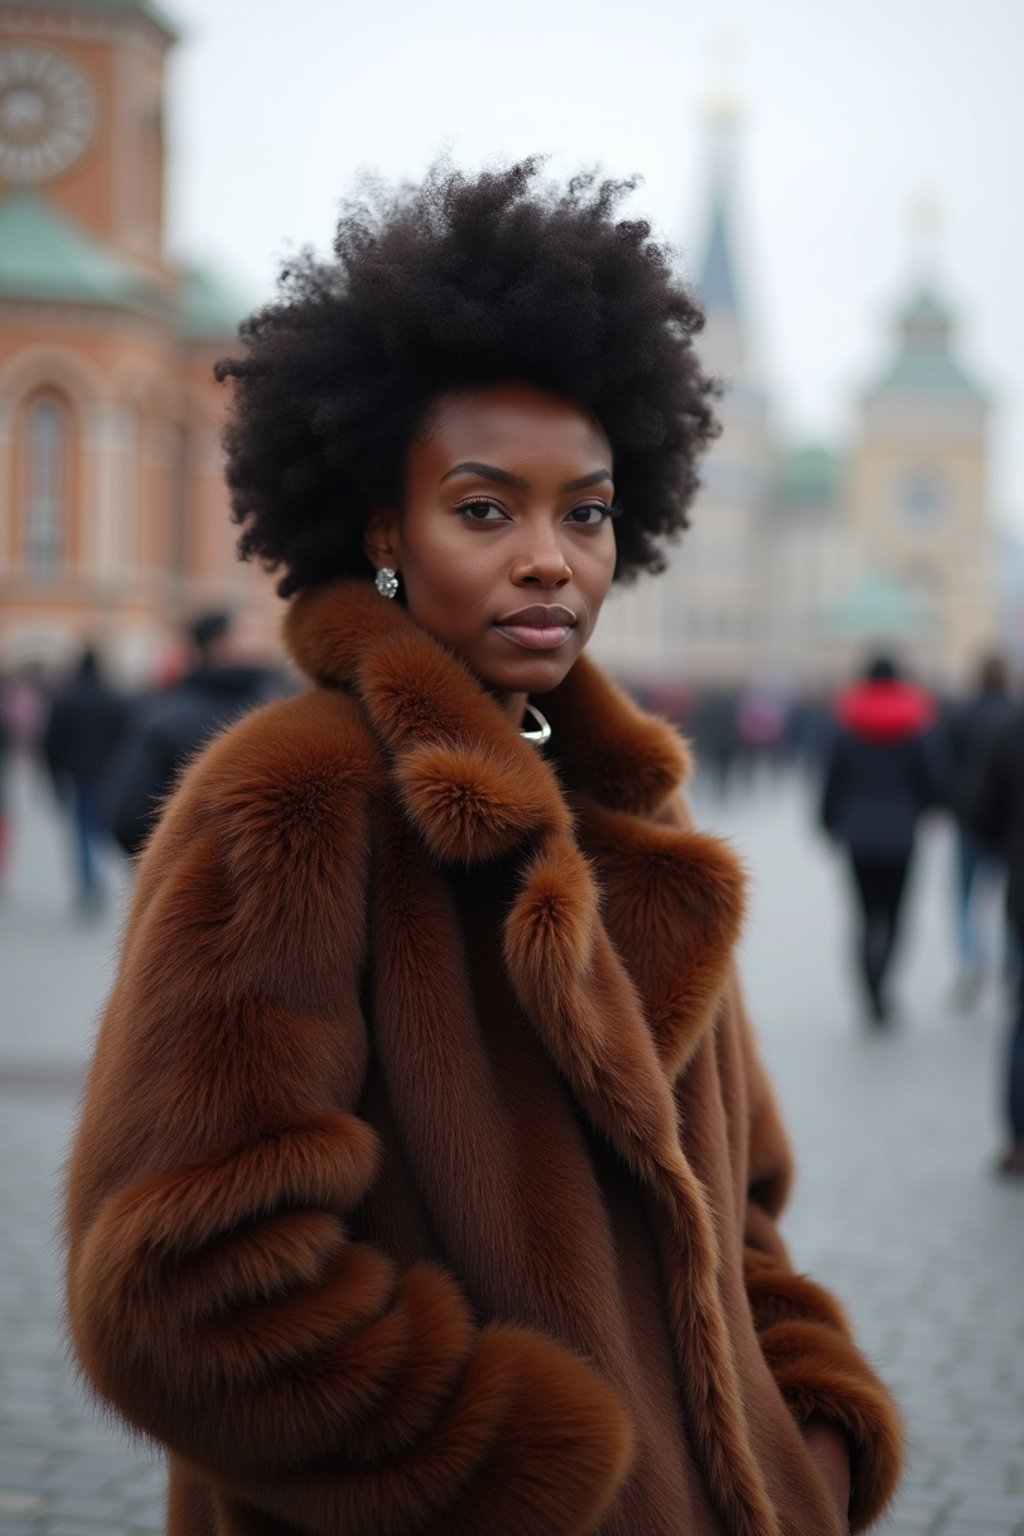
x=167, y=728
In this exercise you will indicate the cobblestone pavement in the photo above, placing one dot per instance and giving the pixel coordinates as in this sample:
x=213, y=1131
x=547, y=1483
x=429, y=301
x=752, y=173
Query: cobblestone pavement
x=895, y=1208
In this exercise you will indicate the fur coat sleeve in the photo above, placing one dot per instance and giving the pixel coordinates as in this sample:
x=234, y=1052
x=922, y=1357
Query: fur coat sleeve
x=801, y=1328
x=215, y=1298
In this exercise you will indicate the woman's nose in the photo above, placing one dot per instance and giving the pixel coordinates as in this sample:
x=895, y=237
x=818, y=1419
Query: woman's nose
x=542, y=563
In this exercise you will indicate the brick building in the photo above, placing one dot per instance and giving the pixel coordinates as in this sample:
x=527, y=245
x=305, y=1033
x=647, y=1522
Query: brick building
x=113, y=512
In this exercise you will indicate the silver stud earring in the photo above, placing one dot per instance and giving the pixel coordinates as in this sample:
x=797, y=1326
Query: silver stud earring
x=386, y=581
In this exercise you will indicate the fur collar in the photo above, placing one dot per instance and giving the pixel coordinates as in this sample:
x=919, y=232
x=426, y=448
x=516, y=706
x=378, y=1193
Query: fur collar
x=474, y=784
x=476, y=790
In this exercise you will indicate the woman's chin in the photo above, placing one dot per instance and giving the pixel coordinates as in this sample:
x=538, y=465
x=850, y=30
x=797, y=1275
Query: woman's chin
x=534, y=676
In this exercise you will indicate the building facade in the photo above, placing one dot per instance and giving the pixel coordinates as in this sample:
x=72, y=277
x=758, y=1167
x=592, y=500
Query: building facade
x=114, y=523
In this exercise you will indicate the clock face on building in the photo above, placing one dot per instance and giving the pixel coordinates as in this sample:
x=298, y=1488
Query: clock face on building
x=47, y=113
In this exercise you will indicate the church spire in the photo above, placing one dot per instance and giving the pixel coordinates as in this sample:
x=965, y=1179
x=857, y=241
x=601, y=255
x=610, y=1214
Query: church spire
x=717, y=281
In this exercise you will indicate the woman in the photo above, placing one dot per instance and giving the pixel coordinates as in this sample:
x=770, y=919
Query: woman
x=427, y=1178
x=879, y=779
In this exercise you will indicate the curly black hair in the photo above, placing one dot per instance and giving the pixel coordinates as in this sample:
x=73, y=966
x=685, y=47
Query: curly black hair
x=455, y=283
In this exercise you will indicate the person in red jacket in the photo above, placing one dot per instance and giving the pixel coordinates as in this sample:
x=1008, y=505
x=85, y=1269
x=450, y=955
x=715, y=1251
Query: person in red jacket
x=879, y=777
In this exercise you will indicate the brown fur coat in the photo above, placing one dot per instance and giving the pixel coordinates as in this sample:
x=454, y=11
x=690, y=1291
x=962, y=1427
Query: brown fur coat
x=427, y=1176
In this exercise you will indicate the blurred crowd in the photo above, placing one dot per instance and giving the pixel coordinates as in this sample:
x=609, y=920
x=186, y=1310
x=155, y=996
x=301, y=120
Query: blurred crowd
x=882, y=755
x=112, y=757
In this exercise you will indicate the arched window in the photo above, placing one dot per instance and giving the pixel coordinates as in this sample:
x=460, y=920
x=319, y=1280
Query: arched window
x=179, y=544
x=47, y=438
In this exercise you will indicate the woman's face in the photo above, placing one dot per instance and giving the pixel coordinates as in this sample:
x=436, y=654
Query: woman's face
x=504, y=545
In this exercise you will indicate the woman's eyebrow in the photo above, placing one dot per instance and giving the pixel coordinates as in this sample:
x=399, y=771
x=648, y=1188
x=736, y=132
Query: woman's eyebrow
x=506, y=477
x=587, y=480
x=486, y=472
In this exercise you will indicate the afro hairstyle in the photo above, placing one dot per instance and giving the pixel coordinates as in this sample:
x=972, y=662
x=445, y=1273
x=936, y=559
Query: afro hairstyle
x=452, y=284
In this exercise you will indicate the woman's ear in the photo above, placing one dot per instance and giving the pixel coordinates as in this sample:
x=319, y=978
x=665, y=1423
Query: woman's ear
x=380, y=538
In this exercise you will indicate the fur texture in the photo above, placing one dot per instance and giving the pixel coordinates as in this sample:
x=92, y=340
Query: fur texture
x=427, y=1177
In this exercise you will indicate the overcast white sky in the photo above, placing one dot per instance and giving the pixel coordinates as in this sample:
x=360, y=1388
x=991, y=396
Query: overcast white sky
x=854, y=111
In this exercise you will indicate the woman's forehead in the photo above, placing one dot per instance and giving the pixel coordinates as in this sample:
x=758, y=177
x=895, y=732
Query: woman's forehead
x=524, y=421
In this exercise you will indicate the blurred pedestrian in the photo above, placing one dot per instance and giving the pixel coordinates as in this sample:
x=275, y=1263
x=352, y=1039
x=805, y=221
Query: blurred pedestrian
x=5, y=754
x=26, y=706
x=880, y=774
x=167, y=728
x=715, y=738
x=995, y=813
x=970, y=729
x=761, y=725
x=85, y=723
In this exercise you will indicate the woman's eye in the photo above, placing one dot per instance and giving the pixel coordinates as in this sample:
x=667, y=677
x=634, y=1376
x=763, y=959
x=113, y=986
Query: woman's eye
x=590, y=516
x=481, y=511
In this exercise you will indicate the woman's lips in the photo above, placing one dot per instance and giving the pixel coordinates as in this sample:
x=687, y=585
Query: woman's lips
x=542, y=627
x=536, y=637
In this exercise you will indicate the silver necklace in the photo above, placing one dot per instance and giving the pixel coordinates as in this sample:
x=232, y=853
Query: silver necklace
x=542, y=735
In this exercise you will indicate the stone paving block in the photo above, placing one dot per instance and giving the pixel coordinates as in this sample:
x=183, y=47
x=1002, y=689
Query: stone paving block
x=928, y=1470
x=973, y=1527
x=16, y=1503
x=916, y=1523
x=1001, y=1430
x=981, y=1507
x=914, y=1499
x=79, y=1525
x=83, y=1478
x=83, y=1506
x=981, y=1473
x=20, y=1463
x=144, y=1519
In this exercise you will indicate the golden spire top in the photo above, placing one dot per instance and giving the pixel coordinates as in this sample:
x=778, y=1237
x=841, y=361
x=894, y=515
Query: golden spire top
x=725, y=105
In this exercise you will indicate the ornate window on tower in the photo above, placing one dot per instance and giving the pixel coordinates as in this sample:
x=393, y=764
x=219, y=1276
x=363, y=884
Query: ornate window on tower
x=922, y=498
x=47, y=464
x=47, y=113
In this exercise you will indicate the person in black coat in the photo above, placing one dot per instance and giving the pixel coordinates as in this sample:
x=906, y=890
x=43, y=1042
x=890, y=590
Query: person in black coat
x=5, y=752
x=879, y=777
x=85, y=723
x=996, y=814
x=168, y=727
x=970, y=730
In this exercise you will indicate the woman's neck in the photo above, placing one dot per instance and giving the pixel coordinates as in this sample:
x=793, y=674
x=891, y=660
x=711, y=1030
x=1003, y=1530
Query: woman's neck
x=512, y=706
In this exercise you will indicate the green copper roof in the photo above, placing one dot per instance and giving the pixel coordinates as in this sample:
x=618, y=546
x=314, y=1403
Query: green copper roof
x=810, y=478
x=880, y=608
x=153, y=13
x=43, y=255
x=208, y=308
x=925, y=364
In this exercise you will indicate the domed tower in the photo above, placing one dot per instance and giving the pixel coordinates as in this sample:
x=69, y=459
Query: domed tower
x=919, y=496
